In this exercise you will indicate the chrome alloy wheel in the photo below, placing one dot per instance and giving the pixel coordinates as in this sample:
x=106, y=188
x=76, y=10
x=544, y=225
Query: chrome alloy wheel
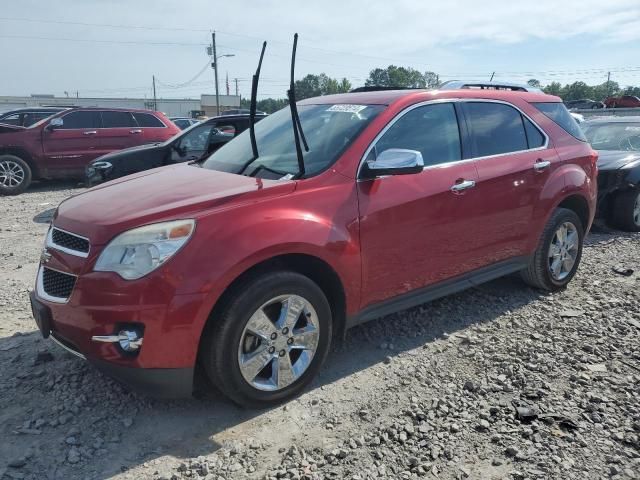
x=563, y=251
x=11, y=174
x=636, y=210
x=278, y=343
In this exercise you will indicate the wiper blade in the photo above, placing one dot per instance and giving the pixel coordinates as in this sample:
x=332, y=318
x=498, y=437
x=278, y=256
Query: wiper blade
x=252, y=107
x=268, y=169
x=298, y=134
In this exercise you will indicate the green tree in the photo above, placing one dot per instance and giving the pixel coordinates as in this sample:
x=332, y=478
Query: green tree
x=533, y=82
x=317, y=85
x=577, y=91
x=392, y=76
x=554, y=88
x=431, y=79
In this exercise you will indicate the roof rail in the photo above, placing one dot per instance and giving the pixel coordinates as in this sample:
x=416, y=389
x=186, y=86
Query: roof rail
x=485, y=85
x=377, y=88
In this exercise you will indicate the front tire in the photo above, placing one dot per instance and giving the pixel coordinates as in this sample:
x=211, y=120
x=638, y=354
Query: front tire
x=559, y=251
x=626, y=210
x=268, y=340
x=15, y=175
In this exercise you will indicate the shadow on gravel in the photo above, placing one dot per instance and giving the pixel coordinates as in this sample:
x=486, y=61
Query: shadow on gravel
x=53, y=185
x=42, y=386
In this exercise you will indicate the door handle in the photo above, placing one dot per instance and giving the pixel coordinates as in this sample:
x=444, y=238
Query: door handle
x=90, y=132
x=135, y=131
x=462, y=186
x=541, y=165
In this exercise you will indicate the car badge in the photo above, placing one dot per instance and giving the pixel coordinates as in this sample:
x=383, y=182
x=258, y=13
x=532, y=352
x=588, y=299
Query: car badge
x=45, y=256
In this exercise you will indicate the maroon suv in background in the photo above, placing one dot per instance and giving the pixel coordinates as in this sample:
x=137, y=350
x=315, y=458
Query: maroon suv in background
x=62, y=145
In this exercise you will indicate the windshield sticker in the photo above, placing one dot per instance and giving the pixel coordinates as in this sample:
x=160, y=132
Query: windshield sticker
x=346, y=108
x=632, y=129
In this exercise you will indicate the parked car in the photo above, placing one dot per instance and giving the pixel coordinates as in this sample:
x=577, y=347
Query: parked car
x=617, y=140
x=194, y=144
x=25, y=117
x=63, y=145
x=248, y=265
x=625, y=101
x=584, y=103
x=183, y=122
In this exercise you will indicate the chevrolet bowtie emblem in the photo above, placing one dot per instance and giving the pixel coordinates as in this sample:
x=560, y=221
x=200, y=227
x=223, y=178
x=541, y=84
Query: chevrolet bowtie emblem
x=45, y=256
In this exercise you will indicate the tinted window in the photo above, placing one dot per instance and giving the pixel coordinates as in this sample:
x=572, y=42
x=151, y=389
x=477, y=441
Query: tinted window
x=613, y=136
x=496, y=128
x=11, y=119
x=431, y=129
x=114, y=119
x=80, y=119
x=147, y=120
x=534, y=136
x=559, y=114
x=197, y=139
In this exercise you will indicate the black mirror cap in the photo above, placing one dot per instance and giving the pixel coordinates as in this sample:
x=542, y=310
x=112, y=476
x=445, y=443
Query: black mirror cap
x=367, y=173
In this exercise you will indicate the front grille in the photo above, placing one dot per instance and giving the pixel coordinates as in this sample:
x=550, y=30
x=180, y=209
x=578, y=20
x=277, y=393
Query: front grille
x=69, y=241
x=57, y=284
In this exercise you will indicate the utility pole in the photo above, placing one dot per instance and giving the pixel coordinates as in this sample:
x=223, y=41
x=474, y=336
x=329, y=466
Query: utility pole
x=491, y=79
x=236, y=80
x=608, y=82
x=155, y=103
x=215, y=68
x=227, y=84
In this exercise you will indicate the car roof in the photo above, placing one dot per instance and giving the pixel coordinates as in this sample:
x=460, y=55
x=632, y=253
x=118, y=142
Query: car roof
x=35, y=109
x=115, y=109
x=614, y=119
x=237, y=115
x=387, y=97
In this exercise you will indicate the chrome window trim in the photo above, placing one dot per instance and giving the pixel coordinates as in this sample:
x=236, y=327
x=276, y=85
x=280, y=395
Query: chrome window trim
x=40, y=286
x=60, y=248
x=464, y=160
x=164, y=125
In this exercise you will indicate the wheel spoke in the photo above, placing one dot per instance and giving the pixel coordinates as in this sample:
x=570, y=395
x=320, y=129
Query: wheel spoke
x=305, y=338
x=253, y=363
x=572, y=241
x=556, y=266
x=291, y=309
x=554, y=250
x=567, y=264
x=284, y=374
x=260, y=324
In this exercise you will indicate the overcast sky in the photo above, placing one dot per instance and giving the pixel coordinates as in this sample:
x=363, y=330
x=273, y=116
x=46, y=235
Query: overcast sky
x=113, y=47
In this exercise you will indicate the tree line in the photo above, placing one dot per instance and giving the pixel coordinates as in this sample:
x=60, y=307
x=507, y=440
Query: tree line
x=406, y=77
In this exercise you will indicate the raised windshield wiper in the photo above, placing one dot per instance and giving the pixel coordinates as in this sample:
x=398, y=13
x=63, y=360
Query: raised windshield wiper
x=295, y=118
x=252, y=112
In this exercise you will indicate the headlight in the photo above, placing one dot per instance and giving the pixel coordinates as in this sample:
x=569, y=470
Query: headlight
x=137, y=252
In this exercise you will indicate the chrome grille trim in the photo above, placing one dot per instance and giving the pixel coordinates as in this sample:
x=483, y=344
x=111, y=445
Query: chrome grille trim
x=50, y=243
x=40, y=287
x=68, y=349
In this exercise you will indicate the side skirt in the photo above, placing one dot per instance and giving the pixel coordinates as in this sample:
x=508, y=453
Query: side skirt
x=442, y=289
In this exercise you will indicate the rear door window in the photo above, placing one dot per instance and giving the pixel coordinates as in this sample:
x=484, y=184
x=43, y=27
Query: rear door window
x=535, y=138
x=496, y=128
x=147, y=120
x=116, y=119
x=559, y=114
x=81, y=119
x=430, y=129
x=11, y=119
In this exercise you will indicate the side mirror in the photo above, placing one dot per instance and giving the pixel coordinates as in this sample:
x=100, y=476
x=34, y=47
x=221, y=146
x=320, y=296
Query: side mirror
x=394, y=161
x=55, y=123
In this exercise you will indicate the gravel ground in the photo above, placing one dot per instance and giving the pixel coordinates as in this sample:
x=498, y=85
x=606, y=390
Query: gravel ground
x=497, y=382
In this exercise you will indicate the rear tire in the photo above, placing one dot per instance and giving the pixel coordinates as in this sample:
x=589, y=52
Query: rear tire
x=626, y=210
x=15, y=175
x=556, y=261
x=254, y=352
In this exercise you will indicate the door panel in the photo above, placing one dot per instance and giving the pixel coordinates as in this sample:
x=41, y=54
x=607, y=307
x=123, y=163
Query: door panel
x=68, y=149
x=119, y=131
x=415, y=231
x=509, y=184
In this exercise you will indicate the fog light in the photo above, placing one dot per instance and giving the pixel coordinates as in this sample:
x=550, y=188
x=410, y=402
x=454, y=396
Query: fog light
x=128, y=340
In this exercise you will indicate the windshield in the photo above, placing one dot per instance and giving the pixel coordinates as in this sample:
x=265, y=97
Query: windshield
x=329, y=130
x=613, y=136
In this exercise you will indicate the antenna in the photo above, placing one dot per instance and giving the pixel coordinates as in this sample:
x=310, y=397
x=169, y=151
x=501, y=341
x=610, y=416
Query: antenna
x=297, y=126
x=252, y=107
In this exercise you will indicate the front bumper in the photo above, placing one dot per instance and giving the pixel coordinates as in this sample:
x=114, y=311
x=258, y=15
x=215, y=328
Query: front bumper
x=156, y=382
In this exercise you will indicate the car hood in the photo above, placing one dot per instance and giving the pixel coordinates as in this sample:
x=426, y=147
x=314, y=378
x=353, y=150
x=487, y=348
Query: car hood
x=614, y=159
x=172, y=192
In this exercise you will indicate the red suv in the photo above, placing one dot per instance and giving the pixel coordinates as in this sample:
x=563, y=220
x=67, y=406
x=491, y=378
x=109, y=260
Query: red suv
x=247, y=267
x=62, y=145
x=625, y=101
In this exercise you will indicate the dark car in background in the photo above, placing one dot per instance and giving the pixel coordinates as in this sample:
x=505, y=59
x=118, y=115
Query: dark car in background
x=25, y=117
x=617, y=140
x=625, y=101
x=183, y=122
x=63, y=145
x=197, y=142
x=584, y=104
